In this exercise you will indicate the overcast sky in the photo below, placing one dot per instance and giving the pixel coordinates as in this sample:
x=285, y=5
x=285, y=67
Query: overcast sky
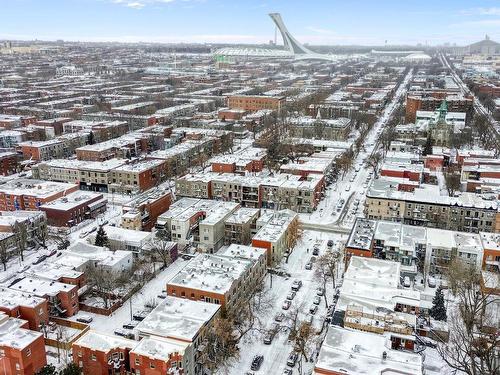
x=368, y=22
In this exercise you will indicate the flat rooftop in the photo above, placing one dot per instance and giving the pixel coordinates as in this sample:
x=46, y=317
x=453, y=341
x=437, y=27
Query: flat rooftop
x=355, y=352
x=177, y=318
x=102, y=342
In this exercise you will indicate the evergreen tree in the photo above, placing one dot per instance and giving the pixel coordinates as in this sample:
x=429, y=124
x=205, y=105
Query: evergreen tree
x=47, y=370
x=438, y=310
x=428, y=145
x=101, y=238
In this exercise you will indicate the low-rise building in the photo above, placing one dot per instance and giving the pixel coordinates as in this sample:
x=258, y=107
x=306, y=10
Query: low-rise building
x=346, y=351
x=181, y=321
x=213, y=278
x=97, y=353
x=27, y=194
x=241, y=226
x=276, y=232
x=137, y=177
x=142, y=212
x=22, y=351
x=62, y=298
x=74, y=208
x=28, y=307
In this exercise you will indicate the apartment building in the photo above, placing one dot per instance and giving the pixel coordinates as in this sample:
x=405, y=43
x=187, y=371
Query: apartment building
x=74, y=208
x=257, y=255
x=491, y=251
x=22, y=351
x=63, y=146
x=125, y=239
x=142, y=212
x=9, y=163
x=430, y=101
x=241, y=226
x=250, y=159
x=416, y=248
x=213, y=278
x=425, y=206
x=157, y=356
x=337, y=129
x=255, y=102
x=275, y=230
x=24, y=306
x=295, y=192
x=62, y=298
x=13, y=223
x=198, y=222
x=179, y=321
x=137, y=177
x=27, y=194
x=97, y=353
x=340, y=355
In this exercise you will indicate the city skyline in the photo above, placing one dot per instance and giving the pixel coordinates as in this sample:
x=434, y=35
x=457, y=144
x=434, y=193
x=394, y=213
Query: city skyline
x=246, y=22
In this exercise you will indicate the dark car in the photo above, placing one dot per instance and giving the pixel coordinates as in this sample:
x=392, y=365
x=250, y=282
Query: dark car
x=330, y=243
x=316, y=251
x=140, y=315
x=292, y=359
x=40, y=259
x=257, y=362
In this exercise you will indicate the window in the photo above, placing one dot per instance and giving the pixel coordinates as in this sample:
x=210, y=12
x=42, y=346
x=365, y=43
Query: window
x=18, y=366
x=137, y=361
x=151, y=365
x=28, y=352
x=122, y=357
x=92, y=357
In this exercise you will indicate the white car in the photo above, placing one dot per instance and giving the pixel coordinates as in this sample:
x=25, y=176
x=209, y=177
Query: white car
x=348, y=187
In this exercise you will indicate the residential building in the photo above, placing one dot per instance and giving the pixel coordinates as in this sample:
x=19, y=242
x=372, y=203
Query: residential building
x=22, y=351
x=255, y=102
x=142, y=212
x=275, y=233
x=241, y=226
x=97, y=353
x=74, y=208
x=24, y=306
x=30, y=195
x=182, y=322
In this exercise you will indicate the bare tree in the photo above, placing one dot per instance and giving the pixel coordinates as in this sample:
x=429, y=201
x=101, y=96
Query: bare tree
x=4, y=254
x=374, y=160
x=473, y=345
x=452, y=181
x=103, y=283
x=162, y=249
x=21, y=238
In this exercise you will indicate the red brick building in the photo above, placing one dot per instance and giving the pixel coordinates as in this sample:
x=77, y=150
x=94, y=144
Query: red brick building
x=148, y=206
x=24, y=306
x=22, y=351
x=256, y=102
x=27, y=194
x=8, y=163
x=431, y=100
x=73, y=208
x=157, y=356
x=100, y=354
x=62, y=298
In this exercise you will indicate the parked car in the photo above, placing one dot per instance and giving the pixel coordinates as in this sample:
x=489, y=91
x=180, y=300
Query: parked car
x=316, y=250
x=268, y=338
x=330, y=243
x=320, y=291
x=431, y=281
x=292, y=359
x=140, y=315
x=257, y=362
x=124, y=333
x=317, y=300
x=50, y=253
x=279, y=317
x=286, y=305
x=313, y=309
x=162, y=295
x=84, y=319
x=287, y=371
x=291, y=295
x=406, y=282
x=309, y=318
x=40, y=259
x=348, y=187
x=130, y=325
x=296, y=285
x=308, y=266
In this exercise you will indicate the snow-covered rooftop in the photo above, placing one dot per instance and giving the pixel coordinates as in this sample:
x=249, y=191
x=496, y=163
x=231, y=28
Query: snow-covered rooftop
x=177, y=318
x=354, y=352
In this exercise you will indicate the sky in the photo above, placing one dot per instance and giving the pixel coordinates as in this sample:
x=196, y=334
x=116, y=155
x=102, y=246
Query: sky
x=317, y=22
